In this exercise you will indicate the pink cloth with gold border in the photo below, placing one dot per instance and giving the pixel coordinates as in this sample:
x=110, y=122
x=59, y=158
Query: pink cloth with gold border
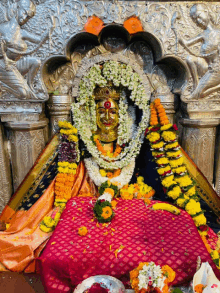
x=136, y=234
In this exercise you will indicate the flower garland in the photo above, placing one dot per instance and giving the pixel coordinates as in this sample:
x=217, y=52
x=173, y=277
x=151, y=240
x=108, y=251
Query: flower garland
x=99, y=75
x=174, y=176
x=67, y=165
x=148, y=276
x=139, y=190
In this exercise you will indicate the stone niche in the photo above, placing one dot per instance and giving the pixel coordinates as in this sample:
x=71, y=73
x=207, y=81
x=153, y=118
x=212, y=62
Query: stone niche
x=178, y=56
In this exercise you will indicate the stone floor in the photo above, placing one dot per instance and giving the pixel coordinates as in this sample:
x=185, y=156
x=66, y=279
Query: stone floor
x=20, y=283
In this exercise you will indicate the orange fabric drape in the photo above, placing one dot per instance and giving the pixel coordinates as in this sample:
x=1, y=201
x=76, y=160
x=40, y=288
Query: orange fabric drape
x=23, y=241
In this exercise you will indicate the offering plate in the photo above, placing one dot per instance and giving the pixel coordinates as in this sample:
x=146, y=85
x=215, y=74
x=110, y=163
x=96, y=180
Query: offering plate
x=110, y=283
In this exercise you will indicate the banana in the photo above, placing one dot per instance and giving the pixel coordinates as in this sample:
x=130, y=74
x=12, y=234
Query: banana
x=166, y=207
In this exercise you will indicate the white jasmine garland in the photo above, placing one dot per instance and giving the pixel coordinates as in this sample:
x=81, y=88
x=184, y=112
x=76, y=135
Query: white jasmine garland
x=106, y=196
x=121, y=180
x=85, y=116
x=151, y=272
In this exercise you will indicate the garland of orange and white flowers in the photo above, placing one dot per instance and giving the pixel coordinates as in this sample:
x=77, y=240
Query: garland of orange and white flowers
x=148, y=276
x=84, y=111
x=173, y=173
x=67, y=165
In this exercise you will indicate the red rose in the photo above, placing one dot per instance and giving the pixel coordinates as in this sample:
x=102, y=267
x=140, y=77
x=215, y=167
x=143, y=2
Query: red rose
x=102, y=200
x=175, y=127
x=146, y=131
x=203, y=228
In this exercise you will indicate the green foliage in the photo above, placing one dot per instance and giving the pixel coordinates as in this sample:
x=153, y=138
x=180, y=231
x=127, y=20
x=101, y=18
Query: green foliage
x=98, y=209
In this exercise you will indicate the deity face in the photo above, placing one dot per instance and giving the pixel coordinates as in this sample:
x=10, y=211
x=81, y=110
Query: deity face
x=200, y=15
x=107, y=118
x=26, y=11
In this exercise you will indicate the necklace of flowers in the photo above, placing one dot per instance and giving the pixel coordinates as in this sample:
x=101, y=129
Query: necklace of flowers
x=173, y=173
x=108, y=188
x=84, y=109
x=106, y=153
x=148, y=276
x=67, y=165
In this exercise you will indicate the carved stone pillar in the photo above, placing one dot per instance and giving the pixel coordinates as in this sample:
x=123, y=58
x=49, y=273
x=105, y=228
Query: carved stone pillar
x=5, y=174
x=199, y=143
x=217, y=176
x=59, y=110
x=27, y=140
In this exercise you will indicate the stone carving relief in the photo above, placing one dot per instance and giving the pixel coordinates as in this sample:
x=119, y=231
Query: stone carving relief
x=202, y=59
x=14, y=59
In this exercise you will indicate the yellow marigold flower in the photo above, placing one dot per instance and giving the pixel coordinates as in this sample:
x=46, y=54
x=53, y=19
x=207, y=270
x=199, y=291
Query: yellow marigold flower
x=140, y=179
x=200, y=220
x=106, y=212
x=72, y=165
x=179, y=170
x=45, y=229
x=169, y=273
x=193, y=207
x=173, y=154
x=181, y=202
x=63, y=164
x=171, y=145
x=184, y=181
x=153, y=136
x=191, y=191
x=175, y=192
x=65, y=124
x=176, y=163
x=161, y=171
x=168, y=135
x=162, y=161
x=166, y=127
x=72, y=171
x=73, y=138
x=214, y=254
x=157, y=145
x=67, y=131
x=48, y=222
x=167, y=181
x=82, y=231
x=102, y=172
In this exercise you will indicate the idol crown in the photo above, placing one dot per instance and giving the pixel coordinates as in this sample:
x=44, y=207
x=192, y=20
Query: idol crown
x=107, y=92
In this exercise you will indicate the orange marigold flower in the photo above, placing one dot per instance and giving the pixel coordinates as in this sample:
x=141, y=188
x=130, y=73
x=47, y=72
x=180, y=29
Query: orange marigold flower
x=199, y=288
x=82, y=231
x=110, y=191
x=106, y=212
x=168, y=273
x=114, y=204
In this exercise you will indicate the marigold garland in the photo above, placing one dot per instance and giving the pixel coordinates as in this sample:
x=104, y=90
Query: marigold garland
x=66, y=173
x=174, y=176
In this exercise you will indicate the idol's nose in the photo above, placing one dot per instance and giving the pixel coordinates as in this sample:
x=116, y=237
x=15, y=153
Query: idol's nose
x=107, y=115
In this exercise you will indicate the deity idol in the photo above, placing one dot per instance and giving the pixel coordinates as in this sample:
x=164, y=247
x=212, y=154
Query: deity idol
x=103, y=224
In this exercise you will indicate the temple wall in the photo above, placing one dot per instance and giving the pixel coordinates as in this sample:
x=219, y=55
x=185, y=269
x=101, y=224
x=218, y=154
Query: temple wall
x=184, y=73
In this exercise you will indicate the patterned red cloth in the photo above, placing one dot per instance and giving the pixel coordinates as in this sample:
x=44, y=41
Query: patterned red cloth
x=136, y=234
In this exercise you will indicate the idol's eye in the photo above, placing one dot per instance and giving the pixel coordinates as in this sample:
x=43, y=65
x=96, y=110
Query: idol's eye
x=113, y=111
x=101, y=111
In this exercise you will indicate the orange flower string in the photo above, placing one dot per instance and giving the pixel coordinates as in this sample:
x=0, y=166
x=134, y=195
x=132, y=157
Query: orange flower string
x=153, y=116
x=161, y=112
x=104, y=152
